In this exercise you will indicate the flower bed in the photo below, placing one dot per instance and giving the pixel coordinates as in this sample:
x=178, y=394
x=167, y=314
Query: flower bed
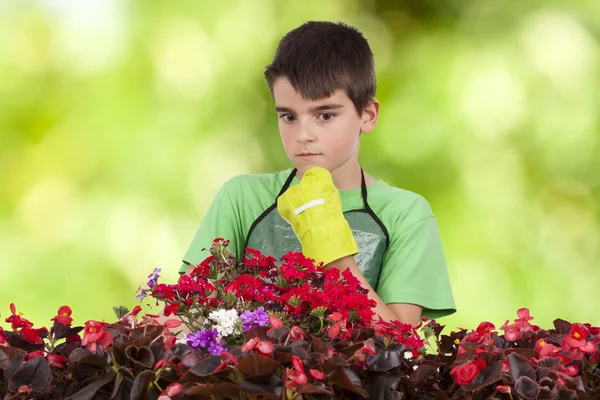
x=293, y=330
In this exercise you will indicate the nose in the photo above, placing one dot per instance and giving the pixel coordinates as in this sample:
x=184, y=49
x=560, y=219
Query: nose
x=305, y=134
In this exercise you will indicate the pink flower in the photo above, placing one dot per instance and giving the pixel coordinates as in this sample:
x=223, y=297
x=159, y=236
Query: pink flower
x=576, y=344
x=466, y=373
x=514, y=331
x=94, y=335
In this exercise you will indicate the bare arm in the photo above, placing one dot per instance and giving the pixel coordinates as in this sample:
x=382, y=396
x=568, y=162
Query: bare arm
x=404, y=312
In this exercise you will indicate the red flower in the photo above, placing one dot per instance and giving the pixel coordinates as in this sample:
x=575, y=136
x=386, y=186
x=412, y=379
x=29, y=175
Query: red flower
x=503, y=388
x=15, y=319
x=513, y=332
x=34, y=354
x=250, y=345
x=570, y=370
x=3, y=341
x=296, y=333
x=94, y=335
x=315, y=373
x=130, y=319
x=297, y=375
x=171, y=391
x=32, y=335
x=466, y=373
x=171, y=309
x=263, y=346
x=56, y=360
x=576, y=344
x=170, y=342
x=63, y=316
x=275, y=323
x=545, y=349
x=483, y=333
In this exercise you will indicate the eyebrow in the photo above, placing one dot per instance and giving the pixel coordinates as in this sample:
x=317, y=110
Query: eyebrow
x=312, y=110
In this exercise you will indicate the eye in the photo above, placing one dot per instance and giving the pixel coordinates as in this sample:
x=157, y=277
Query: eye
x=326, y=116
x=287, y=117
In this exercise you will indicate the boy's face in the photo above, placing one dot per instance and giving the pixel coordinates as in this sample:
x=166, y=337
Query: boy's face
x=325, y=132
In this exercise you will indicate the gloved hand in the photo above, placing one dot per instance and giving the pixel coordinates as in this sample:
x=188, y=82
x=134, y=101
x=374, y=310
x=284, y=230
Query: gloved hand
x=314, y=209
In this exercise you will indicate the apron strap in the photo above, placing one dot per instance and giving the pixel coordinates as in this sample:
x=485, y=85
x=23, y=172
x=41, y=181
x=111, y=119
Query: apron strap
x=363, y=189
x=287, y=183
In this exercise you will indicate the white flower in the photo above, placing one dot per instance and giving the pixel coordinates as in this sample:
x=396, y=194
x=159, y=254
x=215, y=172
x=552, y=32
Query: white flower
x=226, y=321
x=408, y=355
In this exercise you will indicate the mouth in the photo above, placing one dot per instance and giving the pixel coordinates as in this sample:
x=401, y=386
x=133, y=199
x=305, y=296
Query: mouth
x=307, y=156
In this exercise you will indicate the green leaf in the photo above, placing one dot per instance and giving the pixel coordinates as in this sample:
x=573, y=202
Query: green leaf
x=120, y=311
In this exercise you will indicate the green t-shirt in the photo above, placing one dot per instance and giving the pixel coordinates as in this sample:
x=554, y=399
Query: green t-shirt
x=414, y=267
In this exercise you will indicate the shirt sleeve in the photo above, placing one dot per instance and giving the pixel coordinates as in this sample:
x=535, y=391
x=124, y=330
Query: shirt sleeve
x=222, y=220
x=414, y=268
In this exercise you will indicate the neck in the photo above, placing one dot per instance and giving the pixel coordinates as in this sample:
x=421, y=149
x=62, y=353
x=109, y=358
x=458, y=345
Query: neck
x=347, y=177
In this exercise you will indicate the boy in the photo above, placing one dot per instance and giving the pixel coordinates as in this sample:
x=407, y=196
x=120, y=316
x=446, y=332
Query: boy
x=322, y=81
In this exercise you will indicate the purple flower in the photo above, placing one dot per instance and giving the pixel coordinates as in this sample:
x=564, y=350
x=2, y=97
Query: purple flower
x=206, y=339
x=153, y=277
x=251, y=319
x=143, y=293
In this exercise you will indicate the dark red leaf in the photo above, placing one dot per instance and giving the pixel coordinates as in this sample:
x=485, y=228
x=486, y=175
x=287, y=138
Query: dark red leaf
x=206, y=366
x=88, y=392
x=140, y=355
x=257, y=364
x=490, y=375
x=142, y=385
x=562, y=327
x=386, y=358
x=62, y=331
x=527, y=388
x=226, y=390
x=347, y=379
x=519, y=366
x=266, y=386
x=15, y=357
x=313, y=389
x=425, y=370
x=34, y=373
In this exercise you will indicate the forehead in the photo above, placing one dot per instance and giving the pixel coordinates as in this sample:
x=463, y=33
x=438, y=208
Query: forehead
x=285, y=95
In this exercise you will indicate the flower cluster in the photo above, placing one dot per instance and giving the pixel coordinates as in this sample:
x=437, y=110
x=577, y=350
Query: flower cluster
x=233, y=297
x=226, y=322
x=251, y=319
x=287, y=331
x=206, y=339
x=526, y=360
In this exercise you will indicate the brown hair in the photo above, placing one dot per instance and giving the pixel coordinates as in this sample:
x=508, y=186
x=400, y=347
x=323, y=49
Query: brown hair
x=321, y=57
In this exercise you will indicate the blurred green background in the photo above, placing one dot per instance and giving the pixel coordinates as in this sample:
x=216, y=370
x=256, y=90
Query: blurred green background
x=119, y=121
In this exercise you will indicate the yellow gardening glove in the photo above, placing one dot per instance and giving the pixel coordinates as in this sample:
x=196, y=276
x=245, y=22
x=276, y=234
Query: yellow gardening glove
x=314, y=209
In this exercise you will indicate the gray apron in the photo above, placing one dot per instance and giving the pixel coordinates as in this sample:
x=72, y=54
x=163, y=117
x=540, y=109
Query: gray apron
x=273, y=236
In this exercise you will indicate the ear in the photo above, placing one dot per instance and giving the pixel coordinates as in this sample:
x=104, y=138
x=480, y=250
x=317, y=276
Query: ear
x=369, y=116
